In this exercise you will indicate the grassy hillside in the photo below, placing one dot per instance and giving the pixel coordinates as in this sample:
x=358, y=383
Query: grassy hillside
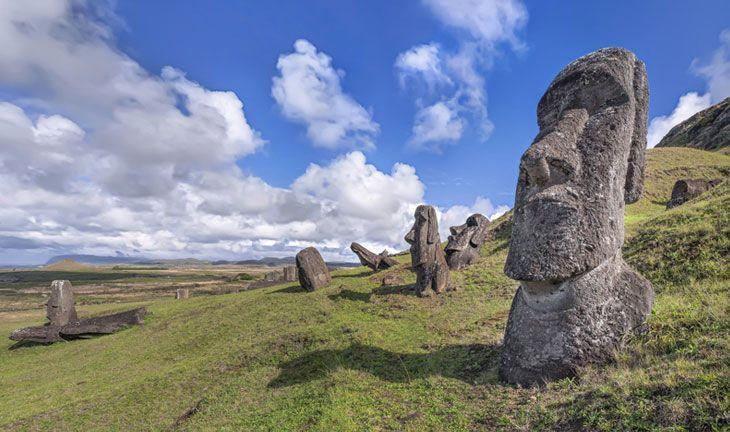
x=360, y=356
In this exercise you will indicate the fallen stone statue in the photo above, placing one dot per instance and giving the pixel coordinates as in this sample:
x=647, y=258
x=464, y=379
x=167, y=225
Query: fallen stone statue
x=466, y=240
x=577, y=298
x=312, y=270
x=427, y=257
x=688, y=189
x=369, y=259
x=63, y=323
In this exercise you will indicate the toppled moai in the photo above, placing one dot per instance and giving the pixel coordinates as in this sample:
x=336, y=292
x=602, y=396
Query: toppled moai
x=369, y=259
x=577, y=297
x=687, y=189
x=312, y=270
x=63, y=324
x=466, y=240
x=427, y=257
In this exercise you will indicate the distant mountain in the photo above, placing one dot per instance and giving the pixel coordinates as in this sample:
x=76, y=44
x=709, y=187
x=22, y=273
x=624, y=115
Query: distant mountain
x=96, y=259
x=707, y=130
x=67, y=265
x=110, y=260
x=276, y=262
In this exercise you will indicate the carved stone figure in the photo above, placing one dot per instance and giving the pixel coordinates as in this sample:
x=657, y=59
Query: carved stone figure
x=60, y=308
x=465, y=240
x=312, y=270
x=687, y=189
x=182, y=294
x=427, y=257
x=290, y=273
x=369, y=259
x=577, y=297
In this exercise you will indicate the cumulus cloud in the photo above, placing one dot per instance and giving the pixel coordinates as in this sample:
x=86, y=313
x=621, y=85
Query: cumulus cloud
x=716, y=73
x=482, y=27
x=308, y=91
x=456, y=215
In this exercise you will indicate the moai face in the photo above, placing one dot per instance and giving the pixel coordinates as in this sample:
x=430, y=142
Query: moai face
x=468, y=235
x=584, y=165
x=423, y=236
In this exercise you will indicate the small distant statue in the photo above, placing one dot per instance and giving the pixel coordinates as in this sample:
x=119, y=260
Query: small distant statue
x=466, y=240
x=577, y=297
x=61, y=307
x=688, y=189
x=182, y=294
x=369, y=259
x=312, y=270
x=427, y=257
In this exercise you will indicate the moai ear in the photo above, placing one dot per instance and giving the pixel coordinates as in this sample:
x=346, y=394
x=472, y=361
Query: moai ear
x=433, y=231
x=637, y=153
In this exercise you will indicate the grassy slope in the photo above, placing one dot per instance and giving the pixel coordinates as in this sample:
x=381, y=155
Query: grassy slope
x=357, y=356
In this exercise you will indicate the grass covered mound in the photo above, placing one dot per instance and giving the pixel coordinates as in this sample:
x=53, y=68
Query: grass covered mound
x=360, y=356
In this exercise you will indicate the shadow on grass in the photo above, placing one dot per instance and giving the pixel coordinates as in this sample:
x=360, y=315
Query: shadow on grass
x=462, y=362
x=380, y=291
x=364, y=273
x=405, y=289
x=289, y=289
x=26, y=344
x=351, y=295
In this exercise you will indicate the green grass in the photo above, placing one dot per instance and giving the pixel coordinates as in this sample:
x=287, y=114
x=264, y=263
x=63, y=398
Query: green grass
x=359, y=356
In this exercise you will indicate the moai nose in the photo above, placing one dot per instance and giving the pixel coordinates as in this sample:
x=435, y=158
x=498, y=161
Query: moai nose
x=538, y=170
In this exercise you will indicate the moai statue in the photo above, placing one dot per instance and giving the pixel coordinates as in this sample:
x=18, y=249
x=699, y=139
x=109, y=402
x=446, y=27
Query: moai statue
x=290, y=273
x=688, y=189
x=369, y=259
x=60, y=308
x=427, y=257
x=465, y=240
x=182, y=294
x=312, y=270
x=577, y=297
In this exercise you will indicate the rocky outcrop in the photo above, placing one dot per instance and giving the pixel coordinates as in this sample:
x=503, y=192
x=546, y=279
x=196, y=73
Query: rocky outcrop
x=466, y=240
x=577, y=298
x=707, y=130
x=687, y=189
x=312, y=270
x=427, y=257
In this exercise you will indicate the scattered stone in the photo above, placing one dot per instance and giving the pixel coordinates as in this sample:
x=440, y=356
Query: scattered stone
x=375, y=262
x=182, y=293
x=391, y=280
x=427, y=257
x=312, y=270
x=60, y=308
x=64, y=325
x=466, y=240
x=707, y=130
x=577, y=297
x=687, y=189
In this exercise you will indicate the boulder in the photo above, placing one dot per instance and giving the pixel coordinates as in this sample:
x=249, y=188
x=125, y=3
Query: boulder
x=577, y=298
x=687, y=189
x=466, y=240
x=427, y=258
x=312, y=270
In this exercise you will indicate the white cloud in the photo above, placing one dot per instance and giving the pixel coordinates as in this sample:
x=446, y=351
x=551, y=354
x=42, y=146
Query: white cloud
x=456, y=215
x=688, y=105
x=434, y=124
x=483, y=25
x=717, y=76
x=308, y=90
x=488, y=21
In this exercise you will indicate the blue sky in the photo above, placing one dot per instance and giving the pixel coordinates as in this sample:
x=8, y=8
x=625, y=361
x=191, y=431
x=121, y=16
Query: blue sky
x=125, y=133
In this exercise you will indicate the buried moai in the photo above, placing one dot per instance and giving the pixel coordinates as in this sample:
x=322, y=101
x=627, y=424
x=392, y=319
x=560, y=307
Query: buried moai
x=465, y=240
x=577, y=297
x=427, y=257
x=688, y=189
x=63, y=324
x=369, y=259
x=311, y=269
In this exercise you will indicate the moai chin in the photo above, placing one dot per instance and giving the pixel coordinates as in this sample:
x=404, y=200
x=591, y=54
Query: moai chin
x=465, y=240
x=577, y=297
x=427, y=257
x=60, y=308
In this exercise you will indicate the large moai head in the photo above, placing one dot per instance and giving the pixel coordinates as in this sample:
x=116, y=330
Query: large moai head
x=424, y=235
x=585, y=163
x=311, y=269
x=465, y=241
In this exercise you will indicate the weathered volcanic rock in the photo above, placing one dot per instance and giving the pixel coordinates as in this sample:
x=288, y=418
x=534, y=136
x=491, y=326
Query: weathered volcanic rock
x=312, y=270
x=577, y=298
x=369, y=259
x=708, y=129
x=466, y=240
x=289, y=273
x=427, y=257
x=60, y=308
x=182, y=294
x=687, y=189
